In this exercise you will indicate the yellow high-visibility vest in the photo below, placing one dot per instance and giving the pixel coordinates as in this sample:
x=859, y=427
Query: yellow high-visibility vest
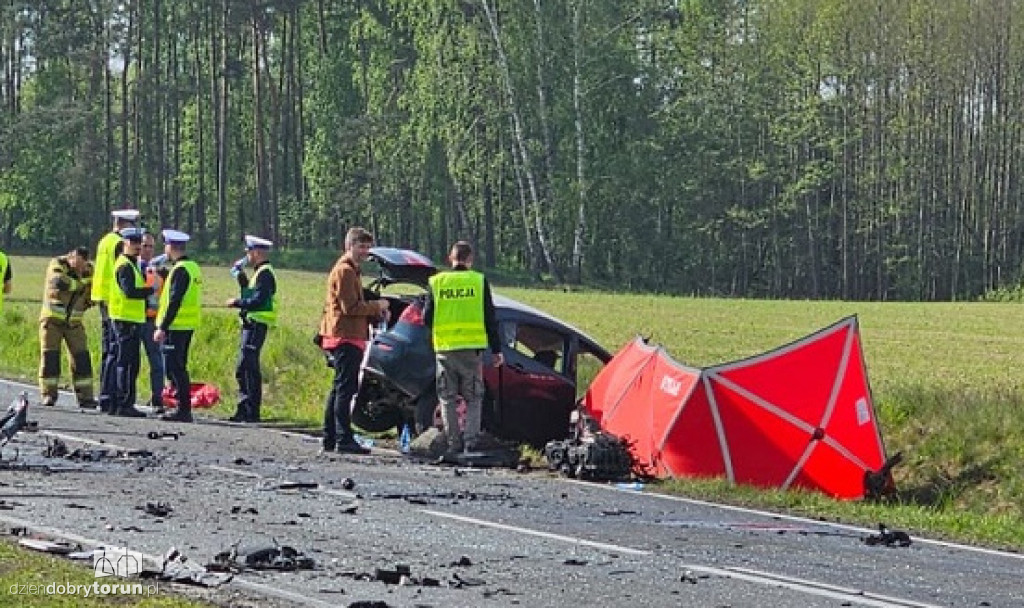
x=188, y=316
x=103, y=278
x=458, y=310
x=121, y=307
x=266, y=314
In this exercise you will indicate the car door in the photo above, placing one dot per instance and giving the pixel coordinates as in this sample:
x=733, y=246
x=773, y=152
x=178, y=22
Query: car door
x=532, y=394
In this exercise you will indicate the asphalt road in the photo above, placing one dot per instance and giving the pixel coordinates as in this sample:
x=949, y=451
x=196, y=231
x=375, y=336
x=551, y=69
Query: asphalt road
x=485, y=537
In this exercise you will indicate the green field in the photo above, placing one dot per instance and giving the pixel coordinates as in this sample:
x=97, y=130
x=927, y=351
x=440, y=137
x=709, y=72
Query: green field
x=946, y=379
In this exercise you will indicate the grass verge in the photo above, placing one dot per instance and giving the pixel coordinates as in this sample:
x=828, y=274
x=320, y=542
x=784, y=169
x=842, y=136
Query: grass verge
x=36, y=580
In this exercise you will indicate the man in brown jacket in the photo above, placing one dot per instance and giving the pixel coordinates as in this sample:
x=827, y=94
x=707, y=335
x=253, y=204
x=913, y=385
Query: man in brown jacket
x=344, y=330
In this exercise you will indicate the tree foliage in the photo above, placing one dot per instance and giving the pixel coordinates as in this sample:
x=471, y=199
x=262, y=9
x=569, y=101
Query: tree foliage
x=763, y=148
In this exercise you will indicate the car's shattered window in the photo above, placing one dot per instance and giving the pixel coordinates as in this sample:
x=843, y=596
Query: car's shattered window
x=541, y=344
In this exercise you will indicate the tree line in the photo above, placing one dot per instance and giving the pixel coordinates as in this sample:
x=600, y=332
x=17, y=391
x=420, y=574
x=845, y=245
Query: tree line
x=854, y=149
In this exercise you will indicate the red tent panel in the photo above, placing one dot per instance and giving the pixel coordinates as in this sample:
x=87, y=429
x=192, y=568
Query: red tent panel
x=764, y=447
x=800, y=415
x=798, y=378
x=613, y=382
x=691, y=447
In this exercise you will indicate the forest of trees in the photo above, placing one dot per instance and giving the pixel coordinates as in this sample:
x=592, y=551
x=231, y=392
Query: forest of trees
x=854, y=149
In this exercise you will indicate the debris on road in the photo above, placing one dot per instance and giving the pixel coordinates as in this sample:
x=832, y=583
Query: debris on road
x=176, y=568
x=49, y=546
x=162, y=435
x=889, y=538
x=158, y=509
x=262, y=557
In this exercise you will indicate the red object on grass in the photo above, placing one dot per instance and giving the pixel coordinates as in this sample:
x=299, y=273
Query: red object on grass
x=200, y=395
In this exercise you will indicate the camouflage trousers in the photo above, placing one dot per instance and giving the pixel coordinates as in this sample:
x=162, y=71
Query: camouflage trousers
x=52, y=332
x=459, y=373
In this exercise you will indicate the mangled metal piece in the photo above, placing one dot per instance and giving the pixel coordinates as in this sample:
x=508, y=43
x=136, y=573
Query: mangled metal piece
x=162, y=435
x=14, y=419
x=263, y=557
x=591, y=453
x=157, y=509
x=177, y=569
x=888, y=538
x=49, y=546
x=55, y=448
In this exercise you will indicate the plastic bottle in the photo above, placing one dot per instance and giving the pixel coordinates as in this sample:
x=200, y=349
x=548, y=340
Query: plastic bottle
x=630, y=485
x=403, y=439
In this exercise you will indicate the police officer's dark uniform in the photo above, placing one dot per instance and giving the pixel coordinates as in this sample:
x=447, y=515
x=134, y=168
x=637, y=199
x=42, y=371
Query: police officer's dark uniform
x=177, y=317
x=126, y=305
x=258, y=306
x=103, y=281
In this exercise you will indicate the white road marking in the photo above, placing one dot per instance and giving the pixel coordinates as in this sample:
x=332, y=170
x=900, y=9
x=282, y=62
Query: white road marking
x=807, y=586
x=85, y=541
x=803, y=520
x=549, y=535
x=251, y=475
x=692, y=501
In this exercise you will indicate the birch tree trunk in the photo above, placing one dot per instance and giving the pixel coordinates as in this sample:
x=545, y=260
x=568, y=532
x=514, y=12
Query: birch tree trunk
x=520, y=144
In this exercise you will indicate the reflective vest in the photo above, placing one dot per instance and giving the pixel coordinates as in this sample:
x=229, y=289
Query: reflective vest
x=3, y=273
x=188, y=312
x=266, y=314
x=458, y=310
x=103, y=281
x=121, y=307
x=64, y=296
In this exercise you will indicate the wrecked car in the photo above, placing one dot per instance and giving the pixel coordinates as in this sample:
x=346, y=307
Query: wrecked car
x=548, y=363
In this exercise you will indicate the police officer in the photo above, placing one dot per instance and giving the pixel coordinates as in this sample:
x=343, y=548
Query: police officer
x=65, y=299
x=258, y=312
x=8, y=277
x=460, y=312
x=126, y=303
x=177, y=318
x=152, y=270
x=103, y=281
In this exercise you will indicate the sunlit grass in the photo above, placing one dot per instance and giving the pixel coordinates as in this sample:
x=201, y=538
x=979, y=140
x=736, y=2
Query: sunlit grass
x=946, y=378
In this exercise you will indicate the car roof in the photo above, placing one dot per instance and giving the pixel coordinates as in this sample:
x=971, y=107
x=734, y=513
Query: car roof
x=505, y=303
x=408, y=266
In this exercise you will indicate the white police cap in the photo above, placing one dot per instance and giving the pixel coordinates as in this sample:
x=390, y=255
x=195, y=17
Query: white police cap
x=128, y=215
x=175, y=237
x=255, y=242
x=132, y=233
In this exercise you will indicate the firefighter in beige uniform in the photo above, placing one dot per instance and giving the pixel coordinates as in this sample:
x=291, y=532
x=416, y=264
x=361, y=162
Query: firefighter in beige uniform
x=66, y=296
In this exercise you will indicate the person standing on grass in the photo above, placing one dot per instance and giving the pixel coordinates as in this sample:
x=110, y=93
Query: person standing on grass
x=65, y=300
x=103, y=282
x=8, y=277
x=151, y=272
x=127, y=306
x=177, y=318
x=258, y=312
x=344, y=330
x=460, y=312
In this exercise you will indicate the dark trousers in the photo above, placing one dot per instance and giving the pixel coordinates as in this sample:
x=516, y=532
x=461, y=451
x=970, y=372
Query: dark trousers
x=154, y=356
x=129, y=337
x=175, y=364
x=247, y=371
x=108, y=361
x=338, y=412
